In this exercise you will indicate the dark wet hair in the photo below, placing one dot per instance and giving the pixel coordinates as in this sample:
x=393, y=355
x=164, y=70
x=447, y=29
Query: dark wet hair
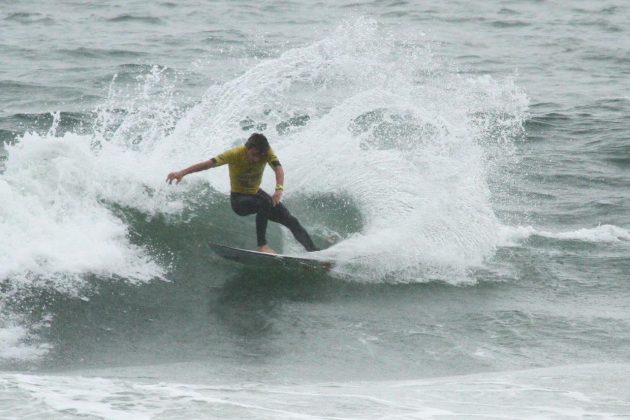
x=259, y=142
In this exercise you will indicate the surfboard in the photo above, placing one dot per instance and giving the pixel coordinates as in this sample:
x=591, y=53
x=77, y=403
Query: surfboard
x=262, y=259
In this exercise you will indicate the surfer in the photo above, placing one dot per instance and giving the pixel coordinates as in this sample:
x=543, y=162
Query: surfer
x=246, y=164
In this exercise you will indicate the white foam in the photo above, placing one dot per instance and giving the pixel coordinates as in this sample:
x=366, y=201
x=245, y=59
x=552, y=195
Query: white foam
x=53, y=224
x=13, y=344
x=56, y=227
x=602, y=233
x=599, y=391
x=17, y=342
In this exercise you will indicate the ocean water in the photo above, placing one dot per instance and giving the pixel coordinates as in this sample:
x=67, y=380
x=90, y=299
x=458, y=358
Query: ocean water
x=465, y=164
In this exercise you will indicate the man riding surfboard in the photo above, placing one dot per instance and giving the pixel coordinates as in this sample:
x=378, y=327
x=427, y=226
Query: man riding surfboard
x=246, y=165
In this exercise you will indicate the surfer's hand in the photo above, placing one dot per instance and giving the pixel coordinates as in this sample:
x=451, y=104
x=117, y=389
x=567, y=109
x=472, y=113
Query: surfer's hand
x=277, y=196
x=177, y=176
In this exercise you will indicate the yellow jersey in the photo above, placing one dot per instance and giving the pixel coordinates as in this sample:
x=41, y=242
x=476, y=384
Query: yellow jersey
x=245, y=177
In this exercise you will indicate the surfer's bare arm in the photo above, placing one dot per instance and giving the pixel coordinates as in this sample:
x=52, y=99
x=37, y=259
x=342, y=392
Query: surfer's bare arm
x=277, y=195
x=201, y=166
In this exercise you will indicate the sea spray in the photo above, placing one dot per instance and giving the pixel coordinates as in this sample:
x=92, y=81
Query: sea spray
x=404, y=136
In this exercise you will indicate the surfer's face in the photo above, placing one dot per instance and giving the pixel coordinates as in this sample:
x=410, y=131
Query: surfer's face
x=253, y=155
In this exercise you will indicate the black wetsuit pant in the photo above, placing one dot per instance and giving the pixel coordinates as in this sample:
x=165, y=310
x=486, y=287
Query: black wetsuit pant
x=260, y=204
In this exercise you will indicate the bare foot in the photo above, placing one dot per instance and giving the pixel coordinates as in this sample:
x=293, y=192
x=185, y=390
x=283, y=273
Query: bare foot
x=266, y=249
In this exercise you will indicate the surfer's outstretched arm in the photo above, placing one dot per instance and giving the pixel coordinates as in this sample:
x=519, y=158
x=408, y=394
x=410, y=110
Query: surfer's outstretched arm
x=201, y=166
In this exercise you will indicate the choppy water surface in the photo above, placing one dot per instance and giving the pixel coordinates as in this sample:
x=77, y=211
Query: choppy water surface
x=466, y=165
